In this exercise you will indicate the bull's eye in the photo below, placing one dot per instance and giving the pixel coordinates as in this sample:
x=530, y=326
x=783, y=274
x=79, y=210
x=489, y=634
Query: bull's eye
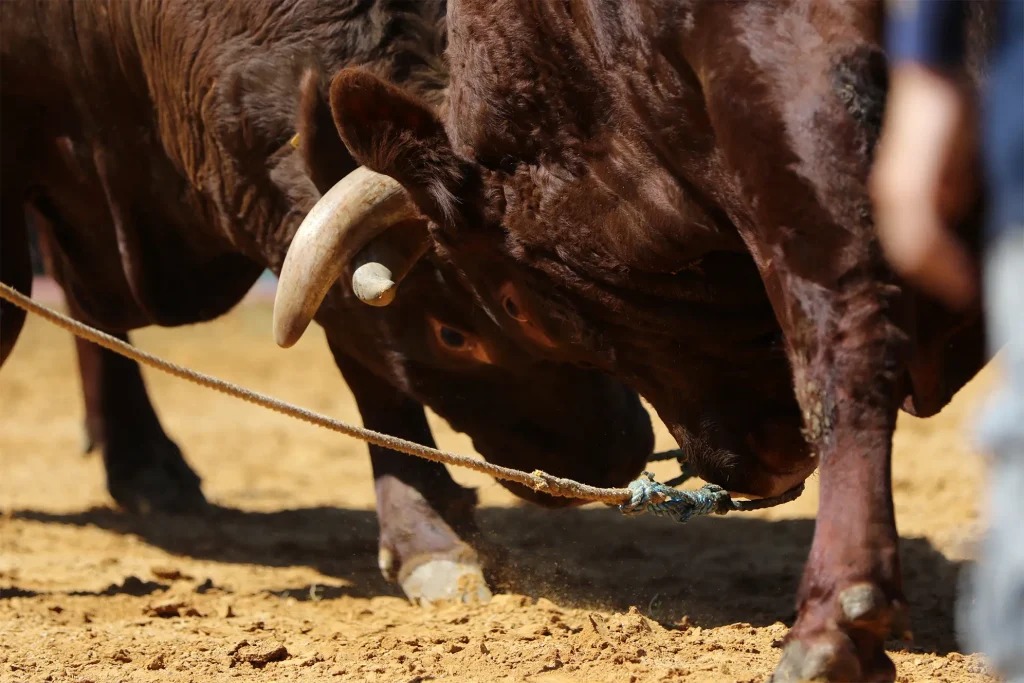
x=453, y=339
x=459, y=343
x=511, y=303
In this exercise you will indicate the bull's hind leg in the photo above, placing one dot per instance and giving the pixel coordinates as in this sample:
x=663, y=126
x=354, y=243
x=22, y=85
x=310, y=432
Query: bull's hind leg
x=420, y=509
x=15, y=268
x=145, y=469
x=797, y=118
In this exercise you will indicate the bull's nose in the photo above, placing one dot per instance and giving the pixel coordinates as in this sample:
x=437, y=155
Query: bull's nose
x=771, y=485
x=778, y=471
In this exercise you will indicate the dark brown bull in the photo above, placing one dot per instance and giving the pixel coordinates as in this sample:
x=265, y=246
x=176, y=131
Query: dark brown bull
x=675, y=192
x=150, y=143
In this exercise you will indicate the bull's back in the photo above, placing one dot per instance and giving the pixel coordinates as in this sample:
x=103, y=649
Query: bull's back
x=104, y=142
x=157, y=133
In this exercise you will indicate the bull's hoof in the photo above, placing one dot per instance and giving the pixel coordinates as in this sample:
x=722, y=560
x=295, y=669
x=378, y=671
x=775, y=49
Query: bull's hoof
x=832, y=658
x=153, y=478
x=848, y=647
x=445, y=579
x=829, y=660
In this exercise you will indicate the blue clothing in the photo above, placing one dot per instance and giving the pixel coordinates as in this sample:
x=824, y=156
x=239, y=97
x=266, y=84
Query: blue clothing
x=931, y=32
x=1003, y=122
x=928, y=32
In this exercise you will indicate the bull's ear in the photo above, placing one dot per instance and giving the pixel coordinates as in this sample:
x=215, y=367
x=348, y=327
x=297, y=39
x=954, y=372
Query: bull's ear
x=323, y=153
x=391, y=132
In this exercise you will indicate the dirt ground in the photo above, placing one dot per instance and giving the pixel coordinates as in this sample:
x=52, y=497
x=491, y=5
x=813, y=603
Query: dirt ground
x=280, y=582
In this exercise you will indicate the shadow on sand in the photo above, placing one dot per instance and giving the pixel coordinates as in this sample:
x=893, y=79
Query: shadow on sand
x=712, y=571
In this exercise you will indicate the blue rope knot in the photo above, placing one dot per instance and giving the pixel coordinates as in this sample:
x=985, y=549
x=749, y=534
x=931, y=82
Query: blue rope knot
x=660, y=499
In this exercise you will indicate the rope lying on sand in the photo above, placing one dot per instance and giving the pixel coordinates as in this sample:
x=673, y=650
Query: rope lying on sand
x=644, y=494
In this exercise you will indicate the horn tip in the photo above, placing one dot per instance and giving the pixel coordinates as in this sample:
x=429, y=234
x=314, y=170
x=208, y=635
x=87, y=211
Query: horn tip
x=284, y=340
x=372, y=284
x=382, y=299
x=288, y=331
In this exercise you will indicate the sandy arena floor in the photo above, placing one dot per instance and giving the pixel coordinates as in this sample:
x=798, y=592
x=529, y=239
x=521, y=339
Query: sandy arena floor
x=280, y=582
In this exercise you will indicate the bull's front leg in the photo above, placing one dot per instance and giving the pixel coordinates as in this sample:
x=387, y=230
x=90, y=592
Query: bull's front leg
x=145, y=468
x=421, y=510
x=797, y=119
x=845, y=354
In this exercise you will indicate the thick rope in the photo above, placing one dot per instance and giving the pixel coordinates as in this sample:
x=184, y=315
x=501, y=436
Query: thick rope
x=644, y=494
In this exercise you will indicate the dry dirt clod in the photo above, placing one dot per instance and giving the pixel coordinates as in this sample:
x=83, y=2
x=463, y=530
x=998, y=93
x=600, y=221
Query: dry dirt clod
x=597, y=623
x=169, y=573
x=208, y=586
x=553, y=661
x=156, y=663
x=257, y=654
x=122, y=656
x=315, y=658
x=164, y=610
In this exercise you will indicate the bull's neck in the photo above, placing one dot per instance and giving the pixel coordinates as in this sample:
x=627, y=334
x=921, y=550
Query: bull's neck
x=606, y=93
x=605, y=85
x=638, y=52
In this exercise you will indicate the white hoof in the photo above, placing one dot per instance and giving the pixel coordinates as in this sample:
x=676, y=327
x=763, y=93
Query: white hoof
x=446, y=581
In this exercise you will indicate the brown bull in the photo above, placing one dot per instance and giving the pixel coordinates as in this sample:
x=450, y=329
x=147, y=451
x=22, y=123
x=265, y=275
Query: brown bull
x=150, y=142
x=675, y=192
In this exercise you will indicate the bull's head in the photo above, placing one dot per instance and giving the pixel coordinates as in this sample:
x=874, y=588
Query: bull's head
x=377, y=215
x=366, y=236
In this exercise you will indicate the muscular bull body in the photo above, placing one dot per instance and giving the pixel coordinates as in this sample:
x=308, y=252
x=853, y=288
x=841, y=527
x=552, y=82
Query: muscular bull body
x=674, y=191
x=150, y=143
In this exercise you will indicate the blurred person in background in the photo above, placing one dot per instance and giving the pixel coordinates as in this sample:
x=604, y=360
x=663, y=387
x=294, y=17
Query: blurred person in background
x=922, y=183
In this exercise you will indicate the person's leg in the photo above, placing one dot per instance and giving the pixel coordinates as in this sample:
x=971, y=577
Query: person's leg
x=995, y=614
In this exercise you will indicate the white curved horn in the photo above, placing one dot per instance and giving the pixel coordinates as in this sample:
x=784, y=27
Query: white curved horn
x=361, y=206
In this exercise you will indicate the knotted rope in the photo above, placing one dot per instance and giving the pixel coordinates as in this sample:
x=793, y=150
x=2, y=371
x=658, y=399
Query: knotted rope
x=710, y=499
x=643, y=495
